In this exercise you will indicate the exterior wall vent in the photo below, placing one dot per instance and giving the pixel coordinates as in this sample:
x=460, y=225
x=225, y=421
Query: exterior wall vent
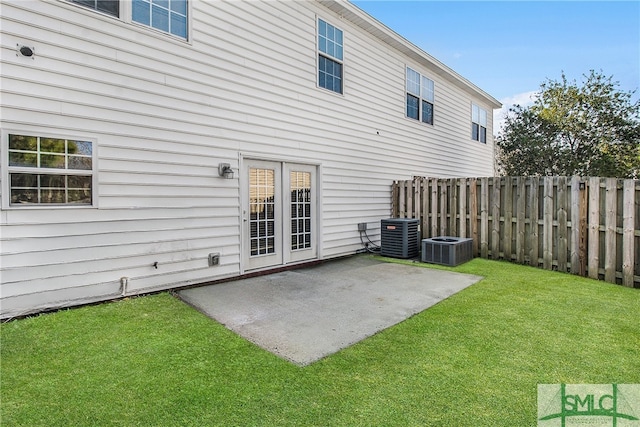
x=447, y=250
x=399, y=238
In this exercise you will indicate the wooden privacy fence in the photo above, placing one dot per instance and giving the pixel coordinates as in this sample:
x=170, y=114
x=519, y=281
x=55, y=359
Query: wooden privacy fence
x=584, y=226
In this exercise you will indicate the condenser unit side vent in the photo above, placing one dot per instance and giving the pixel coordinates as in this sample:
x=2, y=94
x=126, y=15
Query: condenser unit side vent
x=399, y=238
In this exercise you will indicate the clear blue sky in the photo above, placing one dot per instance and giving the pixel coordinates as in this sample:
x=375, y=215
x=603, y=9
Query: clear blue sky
x=508, y=48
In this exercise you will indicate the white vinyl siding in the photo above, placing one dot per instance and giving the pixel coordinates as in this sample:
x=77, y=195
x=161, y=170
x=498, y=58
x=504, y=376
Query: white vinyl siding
x=166, y=113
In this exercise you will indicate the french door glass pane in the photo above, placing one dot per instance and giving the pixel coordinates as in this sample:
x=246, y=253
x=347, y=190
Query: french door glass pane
x=300, y=187
x=262, y=211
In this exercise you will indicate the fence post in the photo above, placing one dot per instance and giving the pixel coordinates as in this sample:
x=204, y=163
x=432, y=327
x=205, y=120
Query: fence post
x=628, y=232
x=520, y=219
x=495, y=212
x=473, y=213
x=425, y=207
x=547, y=228
x=394, y=200
x=594, y=228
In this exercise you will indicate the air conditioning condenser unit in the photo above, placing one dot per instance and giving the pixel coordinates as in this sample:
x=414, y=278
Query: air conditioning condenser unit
x=399, y=238
x=447, y=250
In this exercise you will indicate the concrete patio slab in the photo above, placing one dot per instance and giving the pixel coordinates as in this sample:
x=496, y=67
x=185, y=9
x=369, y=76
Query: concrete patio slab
x=306, y=314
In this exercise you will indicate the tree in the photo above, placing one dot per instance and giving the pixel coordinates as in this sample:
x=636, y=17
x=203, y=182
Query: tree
x=588, y=130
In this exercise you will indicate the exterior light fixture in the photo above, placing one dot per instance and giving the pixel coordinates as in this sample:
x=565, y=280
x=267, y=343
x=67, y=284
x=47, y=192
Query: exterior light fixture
x=22, y=50
x=225, y=171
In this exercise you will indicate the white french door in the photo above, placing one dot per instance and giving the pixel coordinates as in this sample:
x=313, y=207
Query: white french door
x=279, y=213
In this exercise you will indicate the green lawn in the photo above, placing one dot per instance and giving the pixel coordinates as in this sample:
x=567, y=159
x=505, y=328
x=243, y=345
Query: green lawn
x=474, y=359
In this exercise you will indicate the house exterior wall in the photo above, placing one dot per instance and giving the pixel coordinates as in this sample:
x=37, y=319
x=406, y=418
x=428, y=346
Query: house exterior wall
x=163, y=113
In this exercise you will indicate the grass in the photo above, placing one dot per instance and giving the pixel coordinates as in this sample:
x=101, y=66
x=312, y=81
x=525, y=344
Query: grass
x=474, y=359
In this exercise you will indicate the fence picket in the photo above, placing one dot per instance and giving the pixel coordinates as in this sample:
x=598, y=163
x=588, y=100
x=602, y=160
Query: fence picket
x=495, y=222
x=473, y=213
x=434, y=207
x=610, y=230
x=442, y=184
x=520, y=219
x=415, y=188
x=462, y=211
x=534, y=235
x=453, y=208
x=508, y=217
x=425, y=207
x=562, y=223
x=484, y=217
x=575, y=225
x=547, y=228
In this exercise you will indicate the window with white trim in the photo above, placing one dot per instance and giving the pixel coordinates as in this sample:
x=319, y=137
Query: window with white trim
x=49, y=171
x=420, y=97
x=330, y=57
x=478, y=124
x=169, y=16
x=111, y=7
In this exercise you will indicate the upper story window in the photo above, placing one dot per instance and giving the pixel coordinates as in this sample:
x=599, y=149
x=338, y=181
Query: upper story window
x=330, y=57
x=169, y=16
x=49, y=171
x=478, y=124
x=111, y=7
x=420, y=97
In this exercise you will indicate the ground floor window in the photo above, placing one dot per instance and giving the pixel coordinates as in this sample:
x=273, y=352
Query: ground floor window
x=49, y=171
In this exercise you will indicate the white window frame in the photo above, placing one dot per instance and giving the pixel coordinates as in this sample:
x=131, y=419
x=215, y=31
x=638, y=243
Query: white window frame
x=425, y=93
x=479, y=117
x=334, y=58
x=129, y=10
x=7, y=170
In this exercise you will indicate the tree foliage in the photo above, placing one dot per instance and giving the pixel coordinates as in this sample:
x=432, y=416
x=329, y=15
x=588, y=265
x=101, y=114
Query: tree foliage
x=587, y=130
